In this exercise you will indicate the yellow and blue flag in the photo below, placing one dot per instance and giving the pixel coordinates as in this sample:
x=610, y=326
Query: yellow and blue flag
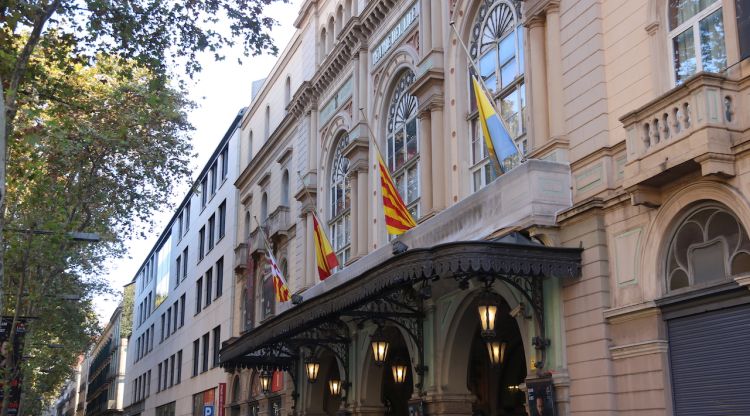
x=502, y=149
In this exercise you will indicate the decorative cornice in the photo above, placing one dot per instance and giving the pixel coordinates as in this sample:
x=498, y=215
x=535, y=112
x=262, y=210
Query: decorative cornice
x=638, y=349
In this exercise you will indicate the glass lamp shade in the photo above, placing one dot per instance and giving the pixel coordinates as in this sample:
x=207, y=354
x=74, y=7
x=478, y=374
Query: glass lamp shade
x=379, y=347
x=399, y=372
x=487, y=311
x=497, y=351
x=312, y=368
x=265, y=381
x=334, y=386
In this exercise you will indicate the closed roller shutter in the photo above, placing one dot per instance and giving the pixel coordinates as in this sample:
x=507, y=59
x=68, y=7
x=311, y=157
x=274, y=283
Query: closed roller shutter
x=710, y=362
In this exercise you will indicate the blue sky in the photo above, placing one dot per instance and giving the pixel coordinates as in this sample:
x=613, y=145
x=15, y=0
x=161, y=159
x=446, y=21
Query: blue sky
x=220, y=90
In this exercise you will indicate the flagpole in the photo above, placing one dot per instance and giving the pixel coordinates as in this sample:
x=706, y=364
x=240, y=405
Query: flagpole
x=484, y=87
x=372, y=134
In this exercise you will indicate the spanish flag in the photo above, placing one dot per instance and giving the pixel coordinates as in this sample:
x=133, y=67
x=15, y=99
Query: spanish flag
x=324, y=254
x=279, y=284
x=397, y=218
x=500, y=145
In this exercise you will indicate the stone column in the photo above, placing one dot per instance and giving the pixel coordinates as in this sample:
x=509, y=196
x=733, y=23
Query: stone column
x=312, y=150
x=554, y=73
x=425, y=161
x=357, y=152
x=310, y=261
x=440, y=159
x=425, y=26
x=355, y=89
x=436, y=17
x=362, y=208
x=537, y=82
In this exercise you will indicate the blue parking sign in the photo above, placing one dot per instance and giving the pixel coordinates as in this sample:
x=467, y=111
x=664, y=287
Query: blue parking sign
x=208, y=410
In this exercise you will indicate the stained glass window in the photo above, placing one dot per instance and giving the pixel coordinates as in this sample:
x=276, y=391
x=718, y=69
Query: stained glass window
x=402, y=147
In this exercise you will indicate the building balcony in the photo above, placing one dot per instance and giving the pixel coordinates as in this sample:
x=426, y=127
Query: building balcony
x=278, y=224
x=692, y=128
x=240, y=258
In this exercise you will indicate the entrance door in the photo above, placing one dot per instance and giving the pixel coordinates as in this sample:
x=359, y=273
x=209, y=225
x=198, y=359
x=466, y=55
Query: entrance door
x=709, y=362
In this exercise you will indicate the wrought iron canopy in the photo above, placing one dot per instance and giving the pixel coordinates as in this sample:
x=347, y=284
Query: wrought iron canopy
x=274, y=343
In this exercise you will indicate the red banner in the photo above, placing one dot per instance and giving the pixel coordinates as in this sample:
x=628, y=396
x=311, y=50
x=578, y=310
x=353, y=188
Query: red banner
x=222, y=398
x=277, y=382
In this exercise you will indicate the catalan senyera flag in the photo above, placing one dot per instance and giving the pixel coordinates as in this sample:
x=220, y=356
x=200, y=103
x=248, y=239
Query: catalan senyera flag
x=502, y=149
x=324, y=254
x=397, y=218
x=279, y=284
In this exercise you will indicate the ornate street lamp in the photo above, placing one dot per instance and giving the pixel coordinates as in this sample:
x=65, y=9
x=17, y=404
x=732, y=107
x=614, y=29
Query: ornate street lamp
x=312, y=367
x=265, y=380
x=487, y=311
x=334, y=386
x=496, y=348
x=379, y=346
x=400, y=369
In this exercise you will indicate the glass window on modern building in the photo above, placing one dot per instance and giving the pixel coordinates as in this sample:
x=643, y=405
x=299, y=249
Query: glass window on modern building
x=340, y=209
x=696, y=37
x=496, y=46
x=402, y=146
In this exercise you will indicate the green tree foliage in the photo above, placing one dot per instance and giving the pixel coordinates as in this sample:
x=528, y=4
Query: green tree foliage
x=97, y=148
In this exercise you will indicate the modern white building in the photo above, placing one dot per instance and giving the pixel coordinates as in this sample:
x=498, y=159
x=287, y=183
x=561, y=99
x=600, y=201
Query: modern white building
x=183, y=297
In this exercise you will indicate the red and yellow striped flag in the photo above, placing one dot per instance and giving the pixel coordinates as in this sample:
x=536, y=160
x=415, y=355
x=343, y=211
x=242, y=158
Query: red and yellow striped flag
x=279, y=284
x=398, y=220
x=324, y=254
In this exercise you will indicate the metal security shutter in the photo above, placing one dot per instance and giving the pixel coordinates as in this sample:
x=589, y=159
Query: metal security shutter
x=709, y=362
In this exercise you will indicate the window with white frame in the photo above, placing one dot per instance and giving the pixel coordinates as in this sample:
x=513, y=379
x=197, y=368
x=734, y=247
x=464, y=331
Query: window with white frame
x=340, y=208
x=497, y=49
x=696, y=35
x=402, y=143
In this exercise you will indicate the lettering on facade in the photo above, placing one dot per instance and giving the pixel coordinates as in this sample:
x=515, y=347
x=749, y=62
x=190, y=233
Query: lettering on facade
x=395, y=33
x=339, y=98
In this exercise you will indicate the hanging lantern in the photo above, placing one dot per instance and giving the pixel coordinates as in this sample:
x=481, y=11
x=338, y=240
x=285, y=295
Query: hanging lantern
x=487, y=311
x=265, y=380
x=334, y=386
x=400, y=370
x=312, y=367
x=496, y=349
x=379, y=347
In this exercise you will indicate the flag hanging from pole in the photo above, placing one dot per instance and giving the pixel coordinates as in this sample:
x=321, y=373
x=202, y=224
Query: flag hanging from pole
x=398, y=220
x=326, y=258
x=500, y=145
x=279, y=284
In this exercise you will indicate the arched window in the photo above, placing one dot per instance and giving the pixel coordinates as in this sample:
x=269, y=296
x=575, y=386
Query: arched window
x=250, y=147
x=323, y=42
x=268, y=122
x=245, y=324
x=236, y=389
x=497, y=49
x=285, y=188
x=339, y=19
x=402, y=146
x=340, y=211
x=287, y=90
x=696, y=34
x=709, y=244
x=330, y=38
x=248, y=224
x=264, y=207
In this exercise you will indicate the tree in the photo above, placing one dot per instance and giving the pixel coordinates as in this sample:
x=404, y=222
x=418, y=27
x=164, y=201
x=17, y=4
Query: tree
x=97, y=147
x=91, y=134
x=153, y=33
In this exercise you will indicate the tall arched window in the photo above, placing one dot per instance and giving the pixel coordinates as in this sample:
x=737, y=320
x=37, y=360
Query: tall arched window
x=709, y=244
x=497, y=49
x=696, y=34
x=250, y=147
x=236, y=389
x=340, y=208
x=287, y=90
x=331, y=35
x=285, y=188
x=267, y=291
x=264, y=207
x=323, y=42
x=267, y=123
x=402, y=146
x=248, y=224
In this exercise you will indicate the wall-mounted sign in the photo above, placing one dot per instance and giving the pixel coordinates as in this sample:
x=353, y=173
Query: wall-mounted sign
x=541, y=395
x=396, y=32
x=342, y=94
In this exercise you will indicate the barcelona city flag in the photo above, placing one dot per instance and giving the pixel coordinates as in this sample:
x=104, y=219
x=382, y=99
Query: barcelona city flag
x=502, y=149
x=324, y=254
x=398, y=220
x=279, y=284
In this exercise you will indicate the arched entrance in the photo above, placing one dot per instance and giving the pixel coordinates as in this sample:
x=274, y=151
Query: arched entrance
x=494, y=387
x=390, y=384
x=320, y=401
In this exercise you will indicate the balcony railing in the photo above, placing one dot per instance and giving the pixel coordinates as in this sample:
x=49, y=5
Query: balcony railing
x=240, y=258
x=278, y=223
x=692, y=127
